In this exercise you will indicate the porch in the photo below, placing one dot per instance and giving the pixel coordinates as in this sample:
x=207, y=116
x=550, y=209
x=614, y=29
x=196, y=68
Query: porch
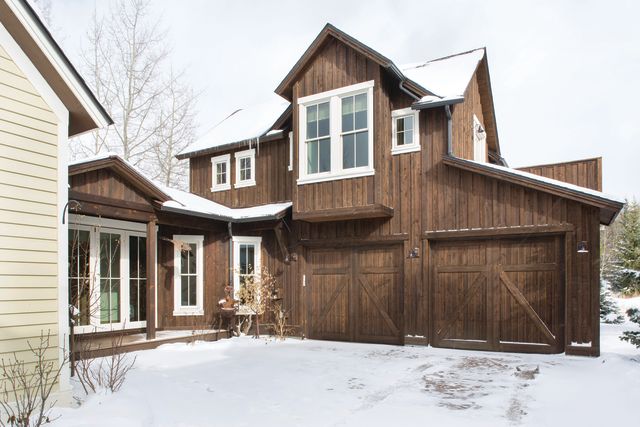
x=90, y=346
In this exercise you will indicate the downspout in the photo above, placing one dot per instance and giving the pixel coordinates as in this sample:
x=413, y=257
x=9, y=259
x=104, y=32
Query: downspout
x=402, y=88
x=447, y=110
x=230, y=228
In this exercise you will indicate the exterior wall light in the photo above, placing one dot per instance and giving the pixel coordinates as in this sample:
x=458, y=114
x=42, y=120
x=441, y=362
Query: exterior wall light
x=582, y=247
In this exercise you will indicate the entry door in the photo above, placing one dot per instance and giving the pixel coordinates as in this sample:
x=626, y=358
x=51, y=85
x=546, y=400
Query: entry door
x=355, y=294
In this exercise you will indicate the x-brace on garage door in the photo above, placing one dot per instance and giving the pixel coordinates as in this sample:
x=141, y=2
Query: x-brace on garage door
x=355, y=294
x=503, y=294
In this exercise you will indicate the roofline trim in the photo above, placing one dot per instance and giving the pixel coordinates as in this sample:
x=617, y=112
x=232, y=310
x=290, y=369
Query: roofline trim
x=275, y=135
x=45, y=41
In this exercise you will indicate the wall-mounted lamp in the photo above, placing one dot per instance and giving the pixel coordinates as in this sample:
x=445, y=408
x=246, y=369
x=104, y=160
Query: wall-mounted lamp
x=582, y=247
x=414, y=253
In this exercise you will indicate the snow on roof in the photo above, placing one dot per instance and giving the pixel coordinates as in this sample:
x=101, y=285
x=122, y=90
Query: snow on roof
x=242, y=125
x=555, y=182
x=189, y=203
x=192, y=203
x=446, y=77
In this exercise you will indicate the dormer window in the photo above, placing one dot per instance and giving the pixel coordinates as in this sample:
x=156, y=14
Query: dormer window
x=245, y=168
x=336, y=134
x=220, y=173
x=405, y=131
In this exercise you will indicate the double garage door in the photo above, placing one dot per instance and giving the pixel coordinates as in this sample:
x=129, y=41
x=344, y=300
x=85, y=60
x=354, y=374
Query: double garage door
x=355, y=294
x=504, y=295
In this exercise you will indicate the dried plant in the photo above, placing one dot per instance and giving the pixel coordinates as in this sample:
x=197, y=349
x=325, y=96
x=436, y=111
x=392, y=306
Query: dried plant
x=255, y=294
x=108, y=372
x=280, y=327
x=25, y=394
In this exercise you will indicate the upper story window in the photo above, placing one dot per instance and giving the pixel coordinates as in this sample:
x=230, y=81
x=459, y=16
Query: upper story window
x=220, y=167
x=405, y=131
x=336, y=134
x=479, y=141
x=245, y=168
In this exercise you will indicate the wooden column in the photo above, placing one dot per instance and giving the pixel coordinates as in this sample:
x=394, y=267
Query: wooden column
x=152, y=240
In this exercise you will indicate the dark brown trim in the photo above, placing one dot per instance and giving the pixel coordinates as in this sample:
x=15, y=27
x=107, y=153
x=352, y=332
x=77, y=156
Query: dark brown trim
x=130, y=174
x=233, y=145
x=340, y=214
x=107, y=201
x=609, y=209
x=382, y=240
x=482, y=233
x=110, y=211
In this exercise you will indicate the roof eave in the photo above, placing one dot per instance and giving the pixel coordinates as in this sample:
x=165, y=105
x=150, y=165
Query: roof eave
x=45, y=42
x=609, y=209
x=276, y=135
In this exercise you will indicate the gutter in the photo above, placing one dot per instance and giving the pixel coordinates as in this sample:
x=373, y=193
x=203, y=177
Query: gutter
x=225, y=218
x=275, y=135
x=440, y=103
x=447, y=110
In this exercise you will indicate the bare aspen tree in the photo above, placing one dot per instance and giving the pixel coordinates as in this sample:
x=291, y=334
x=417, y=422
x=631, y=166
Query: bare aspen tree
x=127, y=65
x=175, y=131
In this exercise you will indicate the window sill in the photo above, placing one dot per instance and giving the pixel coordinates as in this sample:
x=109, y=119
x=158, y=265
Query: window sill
x=405, y=149
x=334, y=177
x=245, y=184
x=221, y=188
x=189, y=312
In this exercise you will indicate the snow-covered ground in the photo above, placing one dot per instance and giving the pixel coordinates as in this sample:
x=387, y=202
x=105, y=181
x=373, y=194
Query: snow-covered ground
x=244, y=382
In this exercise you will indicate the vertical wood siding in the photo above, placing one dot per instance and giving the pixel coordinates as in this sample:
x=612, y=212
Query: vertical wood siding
x=585, y=173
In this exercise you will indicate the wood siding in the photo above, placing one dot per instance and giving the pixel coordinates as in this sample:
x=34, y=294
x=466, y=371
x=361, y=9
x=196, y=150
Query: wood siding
x=273, y=180
x=426, y=196
x=28, y=215
x=585, y=173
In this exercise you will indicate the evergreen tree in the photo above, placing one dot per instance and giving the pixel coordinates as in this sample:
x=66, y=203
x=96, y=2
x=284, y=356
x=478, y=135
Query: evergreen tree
x=624, y=270
x=632, y=336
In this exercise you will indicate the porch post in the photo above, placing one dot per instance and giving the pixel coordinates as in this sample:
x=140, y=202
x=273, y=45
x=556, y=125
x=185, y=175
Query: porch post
x=151, y=278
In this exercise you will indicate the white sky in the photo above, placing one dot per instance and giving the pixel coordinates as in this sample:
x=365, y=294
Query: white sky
x=565, y=75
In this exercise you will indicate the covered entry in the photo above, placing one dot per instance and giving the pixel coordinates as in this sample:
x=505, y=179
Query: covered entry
x=503, y=294
x=355, y=294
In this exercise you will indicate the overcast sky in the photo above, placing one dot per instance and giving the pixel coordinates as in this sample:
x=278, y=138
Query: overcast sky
x=565, y=75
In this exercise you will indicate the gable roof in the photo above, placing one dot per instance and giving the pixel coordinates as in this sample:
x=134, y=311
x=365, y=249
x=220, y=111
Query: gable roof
x=446, y=78
x=609, y=205
x=25, y=27
x=243, y=125
x=284, y=89
x=178, y=201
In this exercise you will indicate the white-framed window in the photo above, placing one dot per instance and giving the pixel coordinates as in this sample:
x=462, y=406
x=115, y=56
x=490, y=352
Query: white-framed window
x=405, y=131
x=290, y=167
x=107, y=273
x=188, y=280
x=246, y=261
x=336, y=134
x=479, y=141
x=245, y=168
x=220, y=173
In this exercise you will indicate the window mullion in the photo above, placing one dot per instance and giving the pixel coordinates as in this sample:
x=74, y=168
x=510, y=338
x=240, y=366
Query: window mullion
x=336, y=139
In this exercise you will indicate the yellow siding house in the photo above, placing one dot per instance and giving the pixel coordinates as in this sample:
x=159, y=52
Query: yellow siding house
x=43, y=102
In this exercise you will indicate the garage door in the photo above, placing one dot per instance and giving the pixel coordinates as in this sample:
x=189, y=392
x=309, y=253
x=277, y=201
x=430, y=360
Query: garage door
x=355, y=294
x=505, y=295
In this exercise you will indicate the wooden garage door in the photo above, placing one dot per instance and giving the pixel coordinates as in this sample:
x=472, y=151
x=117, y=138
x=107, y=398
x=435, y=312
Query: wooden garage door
x=355, y=294
x=505, y=295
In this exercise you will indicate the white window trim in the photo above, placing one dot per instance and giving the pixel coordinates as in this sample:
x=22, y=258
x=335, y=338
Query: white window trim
x=226, y=158
x=247, y=182
x=406, y=148
x=479, y=143
x=237, y=241
x=198, y=309
x=95, y=226
x=334, y=98
x=290, y=167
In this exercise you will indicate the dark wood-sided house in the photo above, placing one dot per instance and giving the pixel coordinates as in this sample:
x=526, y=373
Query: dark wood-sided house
x=378, y=197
